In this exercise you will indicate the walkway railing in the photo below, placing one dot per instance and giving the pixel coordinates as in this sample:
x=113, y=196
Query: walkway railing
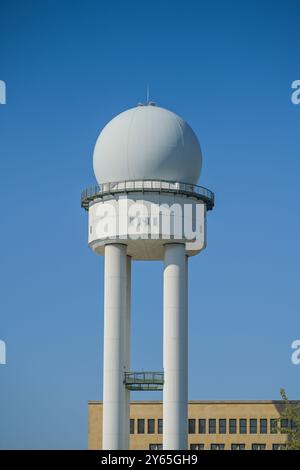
x=193, y=190
x=144, y=381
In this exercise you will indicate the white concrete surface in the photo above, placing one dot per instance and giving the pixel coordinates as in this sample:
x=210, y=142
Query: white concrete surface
x=115, y=313
x=127, y=330
x=145, y=222
x=175, y=348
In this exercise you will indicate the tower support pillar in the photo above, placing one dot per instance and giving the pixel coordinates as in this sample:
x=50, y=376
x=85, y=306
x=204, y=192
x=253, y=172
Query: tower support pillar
x=116, y=347
x=175, y=345
x=127, y=351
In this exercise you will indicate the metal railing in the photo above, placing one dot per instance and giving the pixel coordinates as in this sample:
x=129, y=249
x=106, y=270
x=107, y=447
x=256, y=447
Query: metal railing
x=193, y=190
x=144, y=381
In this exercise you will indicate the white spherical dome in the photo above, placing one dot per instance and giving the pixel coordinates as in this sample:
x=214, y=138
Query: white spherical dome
x=147, y=142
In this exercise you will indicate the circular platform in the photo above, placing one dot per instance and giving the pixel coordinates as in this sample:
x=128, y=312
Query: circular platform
x=96, y=192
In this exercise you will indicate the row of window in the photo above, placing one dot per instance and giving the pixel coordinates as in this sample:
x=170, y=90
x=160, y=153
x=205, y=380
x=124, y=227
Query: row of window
x=150, y=429
x=213, y=426
x=222, y=426
x=222, y=446
x=241, y=426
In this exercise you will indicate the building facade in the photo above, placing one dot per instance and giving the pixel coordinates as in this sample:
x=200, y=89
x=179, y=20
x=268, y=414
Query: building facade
x=212, y=425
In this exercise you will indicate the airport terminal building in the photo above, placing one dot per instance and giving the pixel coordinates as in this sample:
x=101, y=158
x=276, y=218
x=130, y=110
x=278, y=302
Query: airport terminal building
x=212, y=425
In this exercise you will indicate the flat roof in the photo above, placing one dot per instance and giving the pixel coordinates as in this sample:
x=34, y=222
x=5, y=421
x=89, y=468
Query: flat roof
x=205, y=402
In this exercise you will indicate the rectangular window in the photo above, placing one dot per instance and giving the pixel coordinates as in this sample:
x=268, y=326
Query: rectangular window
x=160, y=426
x=232, y=426
x=141, y=426
x=243, y=426
x=217, y=446
x=202, y=426
x=253, y=426
x=197, y=447
x=284, y=425
x=192, y=426
x=131, y=426
x=263, y=426
x=238, y=446
x=258, y=446
x=294, y=426
x=222, y=426
x=278, y=446
x=212, y=426
x=151, y=426
x=155, y=446
x=273, y=425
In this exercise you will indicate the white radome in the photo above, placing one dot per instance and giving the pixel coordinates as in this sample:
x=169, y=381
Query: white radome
x=147, y=142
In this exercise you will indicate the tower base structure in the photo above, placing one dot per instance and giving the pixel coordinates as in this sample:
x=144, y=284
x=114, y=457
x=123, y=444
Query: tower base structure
x=146, y=220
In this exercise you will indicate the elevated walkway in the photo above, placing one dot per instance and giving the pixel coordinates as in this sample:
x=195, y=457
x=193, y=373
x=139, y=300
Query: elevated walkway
x=144, y=381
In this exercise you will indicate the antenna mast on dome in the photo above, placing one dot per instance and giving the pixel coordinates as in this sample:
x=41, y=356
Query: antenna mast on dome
x=148, y=102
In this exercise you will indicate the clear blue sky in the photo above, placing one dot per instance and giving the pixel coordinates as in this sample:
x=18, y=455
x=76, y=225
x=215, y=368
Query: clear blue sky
x=70, y=66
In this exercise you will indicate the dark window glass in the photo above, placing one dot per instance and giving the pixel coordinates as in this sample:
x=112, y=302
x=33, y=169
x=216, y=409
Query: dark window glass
x=238, y=447
x=258, y=446
x=192, y=426
x=212, y=426
x=141, y=426
x=131, y=427
x=217, y=446
x=273, y=426
x=155, y=446
x=278, y=446
x=243, y=426
x=151, y=426
x=263, y=426
x=294, y=426
x=197, y=446
x=284, y=424
x=202, y=426
x=232, y=426
x=253, y=426
x=222, y=426
x=160, y=426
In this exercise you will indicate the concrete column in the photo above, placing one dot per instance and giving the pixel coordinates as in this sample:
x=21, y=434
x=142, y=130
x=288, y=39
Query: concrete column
x=127, y=352
x=115, y=313
x=175, y=395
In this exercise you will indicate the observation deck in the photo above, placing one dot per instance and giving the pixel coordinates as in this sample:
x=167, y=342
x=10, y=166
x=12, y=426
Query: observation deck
x=98, y=191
